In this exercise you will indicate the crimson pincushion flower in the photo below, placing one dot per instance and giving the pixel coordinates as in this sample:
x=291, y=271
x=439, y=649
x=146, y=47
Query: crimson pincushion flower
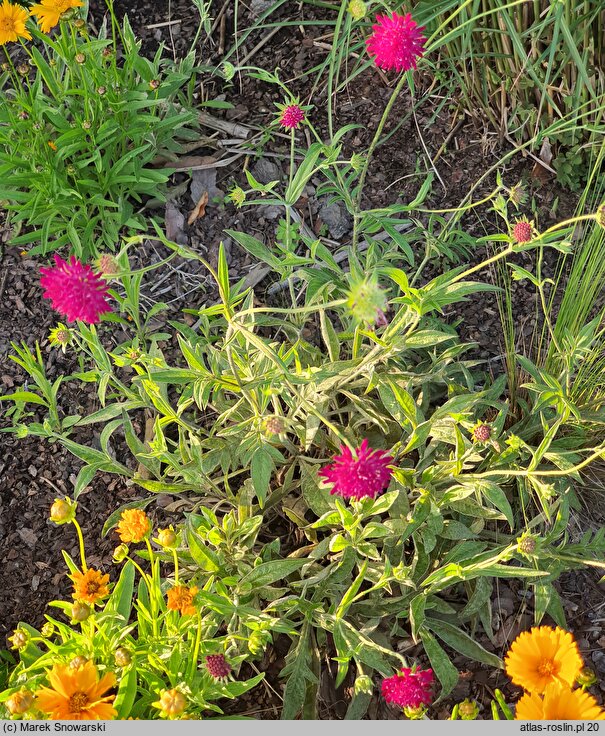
x=396, y=42
x=367, y=474
x=75, y=290
x=291, y=117
x=409, y=688
x=217, y=666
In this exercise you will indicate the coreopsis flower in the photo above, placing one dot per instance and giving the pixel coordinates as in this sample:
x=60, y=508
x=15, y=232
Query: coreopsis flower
x=543, y=656
x=60, y=336
x=523, y=231
x=12, y=22
x=75, y=290
x=63, y=511
x=171, y=703
x=291, y=117
x=49, y=12
x=366, y=474
x=409, y=688
x=134, y=525
x=77, y=694
x=396, y=42
x=19, y=702
x=90, y=586
x=559, y=703
x=217, y=666
x=180, y=598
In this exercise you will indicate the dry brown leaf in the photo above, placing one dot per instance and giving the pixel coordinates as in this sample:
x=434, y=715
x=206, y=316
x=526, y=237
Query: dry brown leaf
x=199, y=210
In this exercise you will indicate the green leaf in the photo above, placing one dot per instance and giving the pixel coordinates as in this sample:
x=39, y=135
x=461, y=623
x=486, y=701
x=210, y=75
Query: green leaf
x=86, y=474
x=441, y=664
x=27, y=396
x=268, y=572
x=300, y=675
x=127, y=692
x=462, y=643
x=121, y=596
x=261, y=469
x=205, y=557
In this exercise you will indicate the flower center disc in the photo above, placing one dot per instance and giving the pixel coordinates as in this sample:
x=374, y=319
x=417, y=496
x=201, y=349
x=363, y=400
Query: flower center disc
x=78, y=702
x=547, y=667
x=7, y=25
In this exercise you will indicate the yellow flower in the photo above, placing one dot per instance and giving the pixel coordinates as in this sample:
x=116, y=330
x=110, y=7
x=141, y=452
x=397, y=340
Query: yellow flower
x=49, y=12
x=559, y=703
x=542, y=656
x=77, y=694
x=171, y=703
x=12, y=22
x=134, y=525
x=19, y=702
x=90, y=586
x=180, y=598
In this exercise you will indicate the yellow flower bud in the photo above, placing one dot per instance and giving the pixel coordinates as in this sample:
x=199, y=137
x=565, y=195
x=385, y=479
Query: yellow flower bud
x=20, y=702
x=171, y=703
x=63, y=511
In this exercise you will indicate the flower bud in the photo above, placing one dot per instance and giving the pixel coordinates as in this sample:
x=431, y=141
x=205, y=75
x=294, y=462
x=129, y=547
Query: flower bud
x=154, y=84
x=468, y=710
x=600, y=215
x=80, y=58
x=366, y=300
x=482, y=433
x=101, y=91
x=274, y=425
x=19, y=638
x=20, y=702
x=166, y=537
x=357, y=9
x=63, y=511
x=120, y=553
x=217, y=666
x=106, y=53
x=48, y=629
x=80, y=612
x=587, y=677
x=122, y=657
x=77, y=662
x=171, y=703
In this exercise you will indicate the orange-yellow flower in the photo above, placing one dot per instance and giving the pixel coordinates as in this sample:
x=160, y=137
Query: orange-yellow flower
x=180, y=598
x=12, y=22
x=77, y=694
x=134, y=525
x=542, y=656
x=49, y=12
x=559, y=703
x=90, y=586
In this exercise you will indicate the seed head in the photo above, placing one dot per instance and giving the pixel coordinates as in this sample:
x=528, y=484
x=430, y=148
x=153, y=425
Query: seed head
x=517, y=196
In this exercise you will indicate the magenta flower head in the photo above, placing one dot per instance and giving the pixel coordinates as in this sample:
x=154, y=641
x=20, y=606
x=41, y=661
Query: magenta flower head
x=367, y=474
x=217, y=666
x=291, y=117
x=409, y=688
x=75, y=290
x=396, y=42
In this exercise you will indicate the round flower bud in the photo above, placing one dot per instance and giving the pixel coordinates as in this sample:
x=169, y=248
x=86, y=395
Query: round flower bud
x=154, y=84
x=63, y=511
x=80, y=611
x=357, y=9
x=101, y=90
x=523, y=231
x=587, y=677
x=527, y=544
x=120, y=553
x=600, y=215
x=23, y=69
x=414, y=714
x=166, y=537
x=366, y=300
x=171, y=703
x=19, y=703
x=77, y=662
x=122, y=657
x=468, y=710
x=482, y=433
x=106, y=53
x=19, y=638
x=79, y=23
x=80, y=58
x=274, y=425
x=217, y=666
x=87, y=125
x=48, y=629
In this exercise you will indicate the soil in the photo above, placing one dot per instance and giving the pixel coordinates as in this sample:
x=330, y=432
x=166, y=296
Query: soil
x=33, y=471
